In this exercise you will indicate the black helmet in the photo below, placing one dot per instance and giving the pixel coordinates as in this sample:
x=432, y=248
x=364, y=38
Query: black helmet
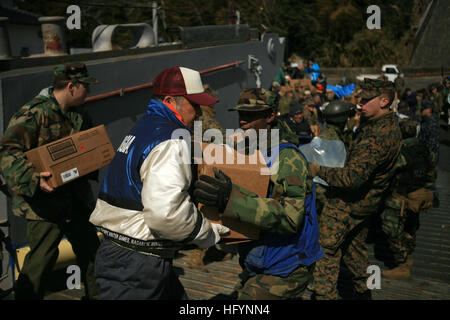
x=295, y=107
x=338, y=111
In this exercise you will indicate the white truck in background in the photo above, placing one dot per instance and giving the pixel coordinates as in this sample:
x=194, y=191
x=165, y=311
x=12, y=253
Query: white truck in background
x=391, y=71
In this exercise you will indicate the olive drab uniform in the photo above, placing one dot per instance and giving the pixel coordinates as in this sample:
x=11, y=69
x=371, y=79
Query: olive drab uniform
x=358, y=189
x=65, y=211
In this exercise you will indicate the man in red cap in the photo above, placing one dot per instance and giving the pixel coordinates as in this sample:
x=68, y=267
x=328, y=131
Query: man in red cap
x=144, y=209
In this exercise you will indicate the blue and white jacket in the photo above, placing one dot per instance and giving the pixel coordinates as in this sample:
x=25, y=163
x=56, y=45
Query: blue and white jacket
x=144, y=201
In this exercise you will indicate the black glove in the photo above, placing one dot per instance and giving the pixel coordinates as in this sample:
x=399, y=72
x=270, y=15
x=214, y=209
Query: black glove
x=213, y=191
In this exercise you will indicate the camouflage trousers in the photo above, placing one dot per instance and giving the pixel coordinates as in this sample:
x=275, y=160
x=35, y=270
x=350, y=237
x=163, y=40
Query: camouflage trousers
x=400, y=231
x=342, y=238
x=268, y=287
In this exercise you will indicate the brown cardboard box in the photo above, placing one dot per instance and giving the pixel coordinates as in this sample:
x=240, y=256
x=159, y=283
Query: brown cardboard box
x=245, y=174
x=73, y=156
x=302, y=82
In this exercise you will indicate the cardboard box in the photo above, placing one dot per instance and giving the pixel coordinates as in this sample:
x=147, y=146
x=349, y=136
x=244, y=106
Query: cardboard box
x=73, y=156
x=305, y=83
x=248, y=175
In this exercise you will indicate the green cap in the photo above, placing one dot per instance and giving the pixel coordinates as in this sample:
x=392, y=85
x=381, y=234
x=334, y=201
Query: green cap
x=254, y=99
x=371, y=88
x=73, y=71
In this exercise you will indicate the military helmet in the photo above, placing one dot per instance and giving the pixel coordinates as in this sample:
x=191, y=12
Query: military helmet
x=338, y=111
x=295, y=107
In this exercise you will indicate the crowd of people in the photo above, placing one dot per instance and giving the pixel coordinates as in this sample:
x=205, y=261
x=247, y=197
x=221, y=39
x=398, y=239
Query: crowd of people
x=147, y=205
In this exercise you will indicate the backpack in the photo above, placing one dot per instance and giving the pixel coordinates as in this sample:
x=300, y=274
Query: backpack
x=414, y=175
x=279, y=255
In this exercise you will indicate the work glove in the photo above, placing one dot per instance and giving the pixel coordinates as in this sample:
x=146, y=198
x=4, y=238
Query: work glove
x=314, y=169
x=219, y=229
x=213, y=192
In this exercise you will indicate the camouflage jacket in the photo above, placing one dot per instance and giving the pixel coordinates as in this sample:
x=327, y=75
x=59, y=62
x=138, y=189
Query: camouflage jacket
x=393, y=201
x=283, y=212
x=283, y=105
x=370, y=166
x=331, y=132
x=37, y=123
x=209, y=122
x=438, y=103
x=310, y=117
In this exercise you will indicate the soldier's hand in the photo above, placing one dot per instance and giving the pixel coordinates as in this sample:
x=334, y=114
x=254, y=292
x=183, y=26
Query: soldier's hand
x=313, y=169
x=213, y=191
x=43, y=177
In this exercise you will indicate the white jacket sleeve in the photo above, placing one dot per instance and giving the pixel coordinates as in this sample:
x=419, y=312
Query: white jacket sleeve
x=168, y=210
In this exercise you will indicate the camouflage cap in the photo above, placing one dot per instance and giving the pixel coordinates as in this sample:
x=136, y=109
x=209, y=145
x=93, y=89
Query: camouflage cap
x=254, y=99
x=73, y=71
x=371, y=88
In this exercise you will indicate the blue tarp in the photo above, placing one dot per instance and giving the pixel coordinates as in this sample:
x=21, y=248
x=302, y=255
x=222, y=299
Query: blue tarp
x=341, y=91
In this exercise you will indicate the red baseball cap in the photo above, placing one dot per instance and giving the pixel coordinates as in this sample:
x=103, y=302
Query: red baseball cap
x=180, y=81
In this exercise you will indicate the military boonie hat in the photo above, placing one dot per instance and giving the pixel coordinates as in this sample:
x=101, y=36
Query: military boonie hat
x=73, y=72
x=371, y=88
x=252, y=99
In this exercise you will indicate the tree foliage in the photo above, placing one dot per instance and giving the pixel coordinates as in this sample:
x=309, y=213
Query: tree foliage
x=333, y=32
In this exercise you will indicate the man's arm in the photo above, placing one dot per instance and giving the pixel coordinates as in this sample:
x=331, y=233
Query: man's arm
x=168, y=209
x=283, y=213
x=20, y=136
x=363, y=160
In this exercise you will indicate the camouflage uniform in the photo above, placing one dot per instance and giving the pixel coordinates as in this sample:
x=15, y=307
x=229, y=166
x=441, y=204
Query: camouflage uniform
x=330, y=132
x=282, y=213
x=208, y=115
x=66, y=210
x=197, y=257
x=356, y=192
x=438, y=103
x=398, y=221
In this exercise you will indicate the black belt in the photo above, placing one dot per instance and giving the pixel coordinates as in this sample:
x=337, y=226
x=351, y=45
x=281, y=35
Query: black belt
x=148, y=246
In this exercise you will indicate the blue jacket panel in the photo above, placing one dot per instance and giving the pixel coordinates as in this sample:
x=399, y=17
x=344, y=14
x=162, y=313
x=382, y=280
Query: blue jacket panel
x=122, y=183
